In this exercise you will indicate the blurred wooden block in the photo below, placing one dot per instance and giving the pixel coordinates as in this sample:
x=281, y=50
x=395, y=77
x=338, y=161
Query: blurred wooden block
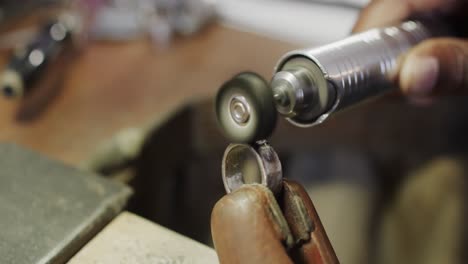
x=48, y=211
x=132, y=239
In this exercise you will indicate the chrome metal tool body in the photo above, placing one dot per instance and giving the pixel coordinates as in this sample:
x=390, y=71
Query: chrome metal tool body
x=309, y=85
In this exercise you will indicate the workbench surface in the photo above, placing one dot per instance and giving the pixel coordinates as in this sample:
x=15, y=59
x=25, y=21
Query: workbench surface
x=111, y=86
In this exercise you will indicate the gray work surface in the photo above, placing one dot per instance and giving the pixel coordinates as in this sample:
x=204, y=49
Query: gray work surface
x=48, y=211
x=133, y=239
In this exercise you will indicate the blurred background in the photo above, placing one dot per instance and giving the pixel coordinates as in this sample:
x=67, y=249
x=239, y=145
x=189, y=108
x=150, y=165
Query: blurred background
x=125, y=89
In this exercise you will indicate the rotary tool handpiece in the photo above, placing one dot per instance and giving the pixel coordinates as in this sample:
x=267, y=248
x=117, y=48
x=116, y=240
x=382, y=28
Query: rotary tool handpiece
x=311, y=84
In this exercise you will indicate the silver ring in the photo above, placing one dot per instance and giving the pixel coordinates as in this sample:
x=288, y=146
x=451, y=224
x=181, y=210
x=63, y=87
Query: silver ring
x=246, y=164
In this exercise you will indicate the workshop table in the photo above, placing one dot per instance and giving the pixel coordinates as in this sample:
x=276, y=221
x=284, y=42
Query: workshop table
x=111, y=86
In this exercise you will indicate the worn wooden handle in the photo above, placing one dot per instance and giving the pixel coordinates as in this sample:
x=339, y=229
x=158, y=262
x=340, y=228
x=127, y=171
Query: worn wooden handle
x=251, y=226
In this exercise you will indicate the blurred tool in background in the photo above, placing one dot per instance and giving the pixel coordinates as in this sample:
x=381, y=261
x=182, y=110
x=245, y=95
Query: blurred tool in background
x=40, y=33
x=28, y=63
x=63, y=30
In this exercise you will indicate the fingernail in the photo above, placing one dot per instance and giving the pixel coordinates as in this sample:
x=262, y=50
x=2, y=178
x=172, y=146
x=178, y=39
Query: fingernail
x=419, y=75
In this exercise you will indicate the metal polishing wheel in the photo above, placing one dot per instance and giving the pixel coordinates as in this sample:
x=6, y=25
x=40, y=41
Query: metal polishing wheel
x=245, y=108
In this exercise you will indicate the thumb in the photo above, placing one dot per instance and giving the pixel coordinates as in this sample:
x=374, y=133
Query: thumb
x=435, y=67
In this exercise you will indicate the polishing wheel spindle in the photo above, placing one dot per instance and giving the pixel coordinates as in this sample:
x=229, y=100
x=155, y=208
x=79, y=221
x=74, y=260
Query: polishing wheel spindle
x=245, y=108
